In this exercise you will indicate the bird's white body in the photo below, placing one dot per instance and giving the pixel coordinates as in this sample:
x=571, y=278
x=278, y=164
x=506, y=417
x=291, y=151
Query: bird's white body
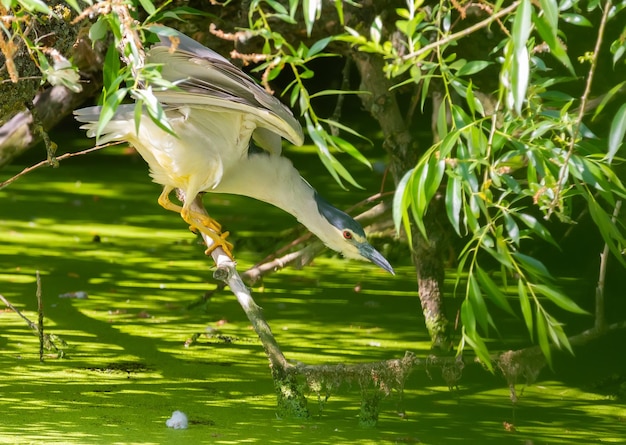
x=214, y=115
x=194, y=163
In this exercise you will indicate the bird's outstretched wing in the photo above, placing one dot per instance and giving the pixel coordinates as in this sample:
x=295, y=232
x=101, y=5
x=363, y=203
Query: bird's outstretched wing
x=206, y=79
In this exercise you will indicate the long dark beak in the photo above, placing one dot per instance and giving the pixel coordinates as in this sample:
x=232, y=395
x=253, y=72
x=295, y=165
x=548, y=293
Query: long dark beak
x=373, y=255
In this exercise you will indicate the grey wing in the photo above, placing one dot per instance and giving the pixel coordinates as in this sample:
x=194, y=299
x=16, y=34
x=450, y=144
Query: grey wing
x=207, y=79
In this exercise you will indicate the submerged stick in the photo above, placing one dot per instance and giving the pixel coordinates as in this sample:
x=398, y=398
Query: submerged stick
x=47, y=341
x=30, y=324
x=40, y=314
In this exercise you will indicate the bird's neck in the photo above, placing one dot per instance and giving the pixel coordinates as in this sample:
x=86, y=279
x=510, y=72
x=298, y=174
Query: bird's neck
x=274, y=179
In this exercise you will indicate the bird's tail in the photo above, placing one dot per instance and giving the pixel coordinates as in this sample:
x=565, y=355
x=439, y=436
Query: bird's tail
x=116, y=129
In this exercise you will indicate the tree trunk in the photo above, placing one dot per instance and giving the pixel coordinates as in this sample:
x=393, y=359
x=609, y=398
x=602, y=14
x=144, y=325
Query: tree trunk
x=403, y=154
x=23, y=131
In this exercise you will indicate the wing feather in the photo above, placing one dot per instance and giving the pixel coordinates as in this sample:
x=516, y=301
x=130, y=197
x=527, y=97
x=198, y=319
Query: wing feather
x=205, y=78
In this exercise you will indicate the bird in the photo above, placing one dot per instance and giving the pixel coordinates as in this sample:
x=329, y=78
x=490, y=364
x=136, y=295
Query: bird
x=227, y=138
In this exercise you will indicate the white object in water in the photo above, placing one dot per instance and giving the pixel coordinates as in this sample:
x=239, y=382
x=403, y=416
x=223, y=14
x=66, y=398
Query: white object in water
x=178, y=421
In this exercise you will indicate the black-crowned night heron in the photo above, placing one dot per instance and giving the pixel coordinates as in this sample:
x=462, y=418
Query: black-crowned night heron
x=215, y=113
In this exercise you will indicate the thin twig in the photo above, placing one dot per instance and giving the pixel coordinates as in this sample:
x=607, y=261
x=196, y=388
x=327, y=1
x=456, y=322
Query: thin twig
x=600, y=316
x=59, y=158
x=582, y=108
x=275, y=263
x=463, y=33
x=345, y=86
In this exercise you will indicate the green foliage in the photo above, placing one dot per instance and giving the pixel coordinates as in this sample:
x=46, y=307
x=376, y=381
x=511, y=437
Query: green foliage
x=507, y=159
x=279, y=54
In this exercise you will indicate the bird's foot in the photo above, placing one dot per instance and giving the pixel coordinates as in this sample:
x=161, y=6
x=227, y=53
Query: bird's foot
x=205, y=221
x=219, y=240
x=208, y=226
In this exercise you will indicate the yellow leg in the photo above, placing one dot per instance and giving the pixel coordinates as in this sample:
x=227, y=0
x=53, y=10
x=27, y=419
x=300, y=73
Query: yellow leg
x=199, y=222
x=164, y=200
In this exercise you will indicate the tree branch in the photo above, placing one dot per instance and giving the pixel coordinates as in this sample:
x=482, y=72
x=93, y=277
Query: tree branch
x=463, y=33
x=291, y=402
x=19, y=133
x=582, y=107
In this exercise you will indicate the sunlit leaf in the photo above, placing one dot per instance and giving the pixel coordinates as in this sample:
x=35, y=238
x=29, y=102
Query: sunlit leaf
x=350, y=149
x=454, y=202
x=154, y=108
x=480, y=348
x=332, y=92
x=148, y=6
x=548, y=32
x=618, y=48
x=607, y=97
x=532, y=265
x=109, y=107
x=576, y=19
x=279, y=8
x=38, y=6
x=467, y=317
x=111, y=69
x=520, y=77
x=318, y=46
x=617, y=132
x=295, y=94
x=558, y=336
x=416, y=191
x=522, y=24
x=321, y=140
x=98, y=31
x=311, y=10
x=524, y=302
x=516, y=69
x=533, y=224
x=339, y=9
x=347, y=129
x=376, y=30
x=400, y=204
x=511, y=227
x=436, y=170
x=608, y=230
x=478, y=302
x=559, y=298
x=472, y=67
x=493, y=291
x=550, y=10
x=542, y=335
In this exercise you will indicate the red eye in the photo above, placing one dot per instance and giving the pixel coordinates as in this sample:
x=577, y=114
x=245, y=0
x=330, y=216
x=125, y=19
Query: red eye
x=347, y=234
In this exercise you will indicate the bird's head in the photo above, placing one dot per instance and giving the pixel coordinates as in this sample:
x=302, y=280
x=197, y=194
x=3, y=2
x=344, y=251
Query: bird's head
x=347, y=237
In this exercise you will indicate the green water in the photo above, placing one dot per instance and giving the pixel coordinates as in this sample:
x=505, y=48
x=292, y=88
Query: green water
x=126, y=366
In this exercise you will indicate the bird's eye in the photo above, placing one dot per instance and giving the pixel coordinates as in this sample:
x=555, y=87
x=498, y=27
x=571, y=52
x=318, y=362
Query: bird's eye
x=347, y=234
